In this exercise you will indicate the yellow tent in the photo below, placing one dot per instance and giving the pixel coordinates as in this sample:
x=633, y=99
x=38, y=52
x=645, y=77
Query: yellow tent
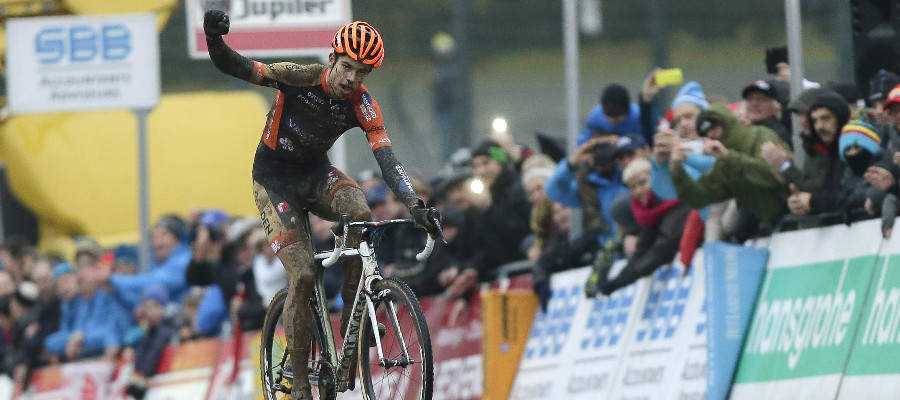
x=78, y=171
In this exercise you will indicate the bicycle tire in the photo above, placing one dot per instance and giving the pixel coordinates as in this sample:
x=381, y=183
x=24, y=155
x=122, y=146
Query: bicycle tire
x=273, y=357
x=413, y=381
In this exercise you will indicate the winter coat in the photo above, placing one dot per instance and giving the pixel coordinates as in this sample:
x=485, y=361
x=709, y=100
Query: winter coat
x=596, y=121
x=169, y=272
x=562, y=187
x=742, y=174
x=100, y=317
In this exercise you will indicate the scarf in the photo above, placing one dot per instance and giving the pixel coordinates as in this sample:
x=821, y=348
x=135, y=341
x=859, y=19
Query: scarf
x=649, y=214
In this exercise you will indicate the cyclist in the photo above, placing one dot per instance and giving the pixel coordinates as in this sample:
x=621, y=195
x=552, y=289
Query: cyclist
x=314, y=105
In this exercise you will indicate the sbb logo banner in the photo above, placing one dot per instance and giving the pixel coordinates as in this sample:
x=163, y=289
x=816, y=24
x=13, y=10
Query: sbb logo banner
x=58, y=64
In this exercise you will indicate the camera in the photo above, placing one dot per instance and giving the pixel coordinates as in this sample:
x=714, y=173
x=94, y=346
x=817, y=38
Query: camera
x=693, y=146
x=604, y=154
x=216, y=232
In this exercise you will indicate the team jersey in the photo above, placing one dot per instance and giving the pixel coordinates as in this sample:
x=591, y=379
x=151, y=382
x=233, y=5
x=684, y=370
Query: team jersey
x=304, y=121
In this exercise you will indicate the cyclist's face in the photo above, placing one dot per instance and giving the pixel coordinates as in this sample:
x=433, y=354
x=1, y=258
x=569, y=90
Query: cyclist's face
x=345, y=76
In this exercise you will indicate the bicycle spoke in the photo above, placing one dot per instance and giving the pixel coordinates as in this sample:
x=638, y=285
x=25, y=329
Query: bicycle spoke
x=405, y=371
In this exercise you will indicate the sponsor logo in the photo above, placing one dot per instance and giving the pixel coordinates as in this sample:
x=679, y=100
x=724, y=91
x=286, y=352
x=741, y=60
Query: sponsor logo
x=276, y=245
x=286, y=144
x=458, y=378
x=382, y=140
x=375, y=128
x=608, y=318
x=267, y=225
x=283, y=207
x=643, y=376
x=550, y=330
x=882, y=325
x=407, y=185
x=83, y=44
x=793, y=325
x=366, y=109
x=588, y=383
x=665, y=304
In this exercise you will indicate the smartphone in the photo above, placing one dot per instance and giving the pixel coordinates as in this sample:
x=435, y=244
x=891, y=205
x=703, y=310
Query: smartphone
x=775, y=55
x=695, y=146
x=669, y=76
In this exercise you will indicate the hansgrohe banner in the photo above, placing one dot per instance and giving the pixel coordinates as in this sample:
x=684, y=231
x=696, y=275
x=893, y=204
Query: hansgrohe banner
x=808, y=313
x=873, y=371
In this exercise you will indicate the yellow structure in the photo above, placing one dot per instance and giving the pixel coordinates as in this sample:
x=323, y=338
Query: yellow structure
x=78, y=171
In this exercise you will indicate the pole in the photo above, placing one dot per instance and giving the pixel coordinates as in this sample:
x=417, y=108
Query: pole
x=570, y=50
x=143, y=191
x=459, y=21
x=795, y=59
x=842, y=37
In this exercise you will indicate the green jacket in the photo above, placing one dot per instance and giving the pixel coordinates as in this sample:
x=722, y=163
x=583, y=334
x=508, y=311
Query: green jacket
x=742, y=174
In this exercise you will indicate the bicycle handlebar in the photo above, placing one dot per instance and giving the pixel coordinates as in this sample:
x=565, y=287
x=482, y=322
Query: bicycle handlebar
x=344, y=224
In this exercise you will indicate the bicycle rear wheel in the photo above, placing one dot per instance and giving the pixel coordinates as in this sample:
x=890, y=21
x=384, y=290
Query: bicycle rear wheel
x=406, y=371
x=277, y=377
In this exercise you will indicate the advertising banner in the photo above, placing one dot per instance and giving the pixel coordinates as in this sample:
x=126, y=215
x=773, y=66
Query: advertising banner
x=807, y=312
x=456, y=334
x=270, y=28
x=665, y=354
x=733, y=276
x=75, y=381
x=872, y=371
x=75, y=63
x=575, y=347
x=185, y=371
x=507, y=321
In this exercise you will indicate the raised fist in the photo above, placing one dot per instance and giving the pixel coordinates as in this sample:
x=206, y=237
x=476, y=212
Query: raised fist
x=215, y=23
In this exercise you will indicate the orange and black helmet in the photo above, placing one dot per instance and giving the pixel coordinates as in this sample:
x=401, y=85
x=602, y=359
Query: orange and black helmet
x=361, y=42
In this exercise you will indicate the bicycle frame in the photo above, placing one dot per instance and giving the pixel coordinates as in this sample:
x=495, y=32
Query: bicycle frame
x=342, y=360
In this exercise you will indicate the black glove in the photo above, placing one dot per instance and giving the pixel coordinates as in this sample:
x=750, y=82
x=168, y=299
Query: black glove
x=215, y=23
x=428, y=218
x=542, y=290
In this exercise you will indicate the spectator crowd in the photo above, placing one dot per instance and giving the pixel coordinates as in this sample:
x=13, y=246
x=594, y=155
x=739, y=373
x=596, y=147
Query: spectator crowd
x=650, y=180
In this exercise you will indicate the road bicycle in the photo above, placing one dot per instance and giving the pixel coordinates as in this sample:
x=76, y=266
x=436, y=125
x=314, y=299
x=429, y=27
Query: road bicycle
x=398, y=366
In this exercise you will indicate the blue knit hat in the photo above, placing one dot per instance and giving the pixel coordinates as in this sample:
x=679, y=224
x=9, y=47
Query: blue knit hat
x=692, y=93
x=860, y=133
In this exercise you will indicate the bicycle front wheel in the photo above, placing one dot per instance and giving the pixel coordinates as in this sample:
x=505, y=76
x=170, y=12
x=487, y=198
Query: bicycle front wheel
x=275, y=371
x=406, y=370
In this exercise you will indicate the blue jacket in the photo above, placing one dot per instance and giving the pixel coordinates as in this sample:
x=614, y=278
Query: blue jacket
x=212, y=312
x=661, y=179
x=170, y=272
x=102, y=320
x=563, y=188
x=630, y=127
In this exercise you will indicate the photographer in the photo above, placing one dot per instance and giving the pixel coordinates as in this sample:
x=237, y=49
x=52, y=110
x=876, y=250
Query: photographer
x=590, y=179
x=739, y=171
x=223, y=264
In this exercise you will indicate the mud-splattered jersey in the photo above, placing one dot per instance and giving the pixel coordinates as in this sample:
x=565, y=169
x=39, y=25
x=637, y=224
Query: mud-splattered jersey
x=305, y=122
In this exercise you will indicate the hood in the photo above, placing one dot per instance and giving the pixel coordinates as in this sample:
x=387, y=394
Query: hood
x=724, y=117
x=834, y=102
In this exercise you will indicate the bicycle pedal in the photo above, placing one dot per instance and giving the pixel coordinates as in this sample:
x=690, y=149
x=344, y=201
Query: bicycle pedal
x=382, y=330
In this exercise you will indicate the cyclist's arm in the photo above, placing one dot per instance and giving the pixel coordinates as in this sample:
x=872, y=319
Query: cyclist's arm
x=369, y=115
x=232, y=63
